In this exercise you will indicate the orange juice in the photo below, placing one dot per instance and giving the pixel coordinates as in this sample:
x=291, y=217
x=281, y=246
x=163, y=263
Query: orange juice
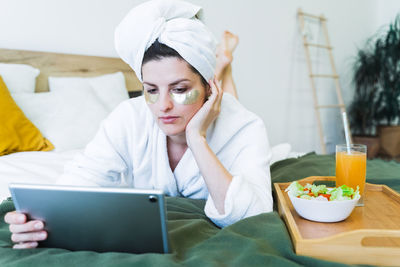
x=351, y=169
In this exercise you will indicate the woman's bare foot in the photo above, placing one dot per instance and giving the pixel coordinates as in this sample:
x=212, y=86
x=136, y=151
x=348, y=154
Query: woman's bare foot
x=224, y=53
x=230, y=41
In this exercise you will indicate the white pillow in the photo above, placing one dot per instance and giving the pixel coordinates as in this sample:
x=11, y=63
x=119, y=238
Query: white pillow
x=280, y=152
x=109, y=88
x=19, y=78
x=68, y=118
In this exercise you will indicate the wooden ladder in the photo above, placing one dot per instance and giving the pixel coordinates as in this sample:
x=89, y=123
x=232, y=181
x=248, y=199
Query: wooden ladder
x=322, y=20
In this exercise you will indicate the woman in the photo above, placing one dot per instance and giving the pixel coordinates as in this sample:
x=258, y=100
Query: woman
x=184, y=136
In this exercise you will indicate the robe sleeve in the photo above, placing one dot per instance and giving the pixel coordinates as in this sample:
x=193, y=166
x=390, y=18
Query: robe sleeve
x=103, y=161
x=249, y=192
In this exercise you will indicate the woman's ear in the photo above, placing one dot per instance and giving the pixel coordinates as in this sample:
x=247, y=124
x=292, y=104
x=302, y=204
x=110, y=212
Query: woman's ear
x=208, y=91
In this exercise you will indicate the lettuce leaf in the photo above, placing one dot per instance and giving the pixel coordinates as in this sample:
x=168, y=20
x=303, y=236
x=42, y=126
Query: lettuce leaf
x=347, y=191
x=357, y=193
x=295, y=189
x=316, y=189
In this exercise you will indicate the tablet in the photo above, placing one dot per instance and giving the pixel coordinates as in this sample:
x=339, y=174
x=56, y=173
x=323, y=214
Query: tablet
x=96, y=218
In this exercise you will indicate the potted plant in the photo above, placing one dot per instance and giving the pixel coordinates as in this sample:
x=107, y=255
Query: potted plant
x=362, y=108
x=388, y=110
x=376, y=104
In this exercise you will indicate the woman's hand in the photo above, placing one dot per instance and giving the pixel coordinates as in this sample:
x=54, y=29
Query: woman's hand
x=215, y=175
x=25, y=233
x=198, y=125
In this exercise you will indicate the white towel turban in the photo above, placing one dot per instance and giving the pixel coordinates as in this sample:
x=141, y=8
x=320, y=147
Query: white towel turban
x=174, y=24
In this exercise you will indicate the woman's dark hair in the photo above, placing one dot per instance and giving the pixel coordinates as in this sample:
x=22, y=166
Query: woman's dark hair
x=157, y=51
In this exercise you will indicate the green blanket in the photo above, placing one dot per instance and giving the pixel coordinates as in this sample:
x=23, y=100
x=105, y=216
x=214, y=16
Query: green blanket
x=256, y=241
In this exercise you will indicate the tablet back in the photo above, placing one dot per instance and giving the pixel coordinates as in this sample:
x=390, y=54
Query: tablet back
x=94, y=218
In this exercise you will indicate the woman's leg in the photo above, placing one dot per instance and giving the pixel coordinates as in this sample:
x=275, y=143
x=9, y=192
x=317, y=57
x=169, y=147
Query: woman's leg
x=228, y=85
x=223, y=69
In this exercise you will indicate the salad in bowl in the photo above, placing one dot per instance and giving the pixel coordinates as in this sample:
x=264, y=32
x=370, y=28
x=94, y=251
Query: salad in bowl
x=323, y=204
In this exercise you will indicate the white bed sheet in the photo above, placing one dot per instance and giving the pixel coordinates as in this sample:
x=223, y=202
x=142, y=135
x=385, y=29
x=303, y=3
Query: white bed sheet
x=46, y=167
x=32, y=167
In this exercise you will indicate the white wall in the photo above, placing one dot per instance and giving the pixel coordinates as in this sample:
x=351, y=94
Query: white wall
x=386, y=12
x=269, y=65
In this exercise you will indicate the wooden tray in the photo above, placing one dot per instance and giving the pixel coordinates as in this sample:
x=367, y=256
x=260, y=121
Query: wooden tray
x=370, y=235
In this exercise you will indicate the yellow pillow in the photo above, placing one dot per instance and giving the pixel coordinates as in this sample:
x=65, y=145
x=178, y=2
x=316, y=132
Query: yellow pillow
x=17, y=133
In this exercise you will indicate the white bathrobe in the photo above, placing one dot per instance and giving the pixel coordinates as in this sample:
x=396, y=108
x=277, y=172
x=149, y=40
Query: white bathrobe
x=131, y=150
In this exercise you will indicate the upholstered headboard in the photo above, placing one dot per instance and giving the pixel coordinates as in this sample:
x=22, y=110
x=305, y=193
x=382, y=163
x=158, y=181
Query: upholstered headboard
x=57, y=64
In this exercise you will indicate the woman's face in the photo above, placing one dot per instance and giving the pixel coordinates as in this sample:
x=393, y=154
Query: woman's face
x=172, y=79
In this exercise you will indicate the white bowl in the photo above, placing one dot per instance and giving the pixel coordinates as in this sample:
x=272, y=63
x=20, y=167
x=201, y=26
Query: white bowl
x=323, y=211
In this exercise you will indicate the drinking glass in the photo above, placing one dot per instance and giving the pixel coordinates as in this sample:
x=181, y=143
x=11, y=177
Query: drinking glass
x=351, y=167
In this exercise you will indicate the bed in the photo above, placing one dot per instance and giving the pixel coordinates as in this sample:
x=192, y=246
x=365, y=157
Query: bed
x=195, y=240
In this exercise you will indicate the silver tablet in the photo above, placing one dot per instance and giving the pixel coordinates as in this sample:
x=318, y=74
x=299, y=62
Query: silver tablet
x=96, y=218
